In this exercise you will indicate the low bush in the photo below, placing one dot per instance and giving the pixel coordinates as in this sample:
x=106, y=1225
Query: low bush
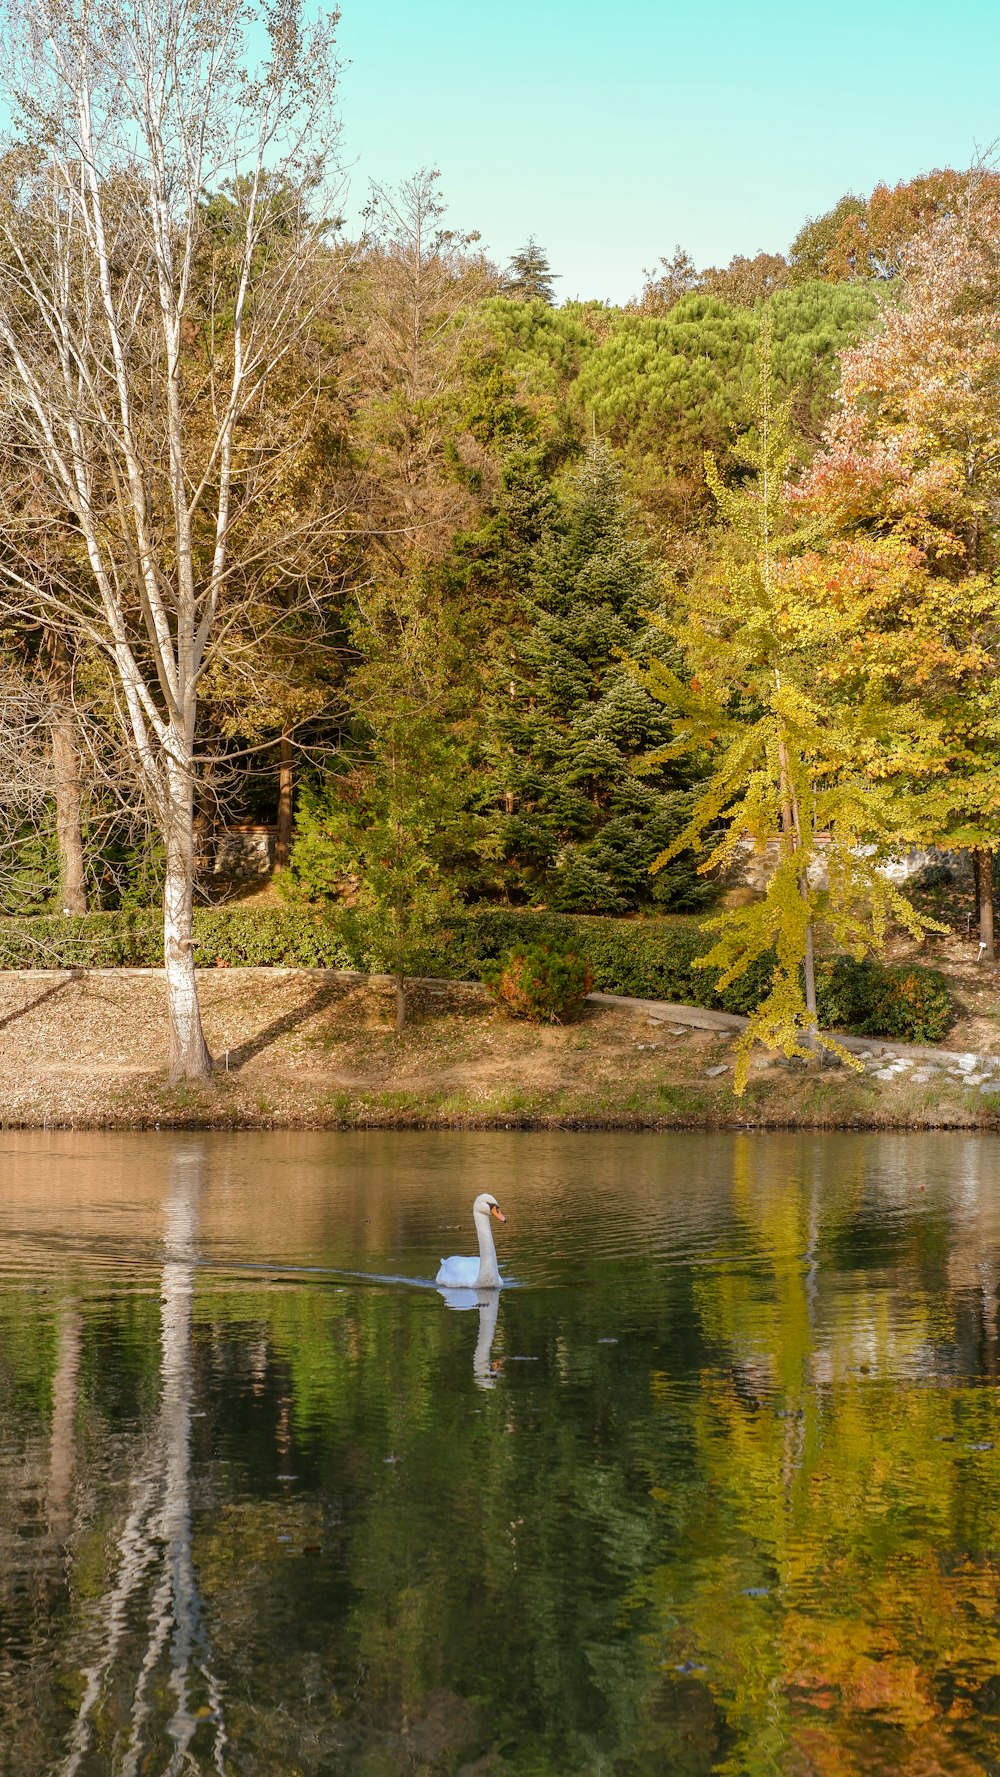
x=873, y=999
x=544, y=982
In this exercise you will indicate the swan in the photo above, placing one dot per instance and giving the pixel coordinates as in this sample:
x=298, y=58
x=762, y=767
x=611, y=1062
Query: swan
x=481, y=1273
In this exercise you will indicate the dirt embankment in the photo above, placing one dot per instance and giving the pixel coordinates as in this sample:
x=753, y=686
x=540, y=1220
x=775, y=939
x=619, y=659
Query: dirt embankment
x=299, y=1049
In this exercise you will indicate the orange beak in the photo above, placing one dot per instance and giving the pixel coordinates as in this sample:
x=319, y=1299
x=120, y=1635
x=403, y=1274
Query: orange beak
x=495, y=1210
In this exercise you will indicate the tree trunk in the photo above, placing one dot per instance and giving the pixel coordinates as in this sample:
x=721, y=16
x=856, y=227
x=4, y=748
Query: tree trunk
x=790, y=828
x=283, y=842
x=66, y=773
x=69, y=827
x=983, y=861
x=189, y=1056
x=810, y=974
x=400, y=1001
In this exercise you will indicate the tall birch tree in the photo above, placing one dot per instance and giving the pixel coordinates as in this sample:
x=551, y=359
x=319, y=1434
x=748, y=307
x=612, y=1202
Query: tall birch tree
x=142, y=353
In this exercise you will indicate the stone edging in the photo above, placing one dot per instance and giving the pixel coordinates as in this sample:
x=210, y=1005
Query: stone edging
x=884, y=1059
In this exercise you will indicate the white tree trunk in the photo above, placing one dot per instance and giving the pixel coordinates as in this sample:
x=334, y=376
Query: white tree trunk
x=189, y=1055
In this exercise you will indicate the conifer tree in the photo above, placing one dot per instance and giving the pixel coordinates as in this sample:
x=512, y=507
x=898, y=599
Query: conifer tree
x=575, y=826
x=530, y=275
x=384, y=833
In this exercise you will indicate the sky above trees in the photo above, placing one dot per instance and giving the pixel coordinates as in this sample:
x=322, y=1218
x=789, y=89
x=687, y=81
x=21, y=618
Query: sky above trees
x=610, y=135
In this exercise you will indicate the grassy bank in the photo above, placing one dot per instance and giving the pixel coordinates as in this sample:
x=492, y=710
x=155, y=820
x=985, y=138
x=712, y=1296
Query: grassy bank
x=297, y=1050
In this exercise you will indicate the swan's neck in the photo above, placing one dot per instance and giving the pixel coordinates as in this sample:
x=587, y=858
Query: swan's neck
x=489, y=1276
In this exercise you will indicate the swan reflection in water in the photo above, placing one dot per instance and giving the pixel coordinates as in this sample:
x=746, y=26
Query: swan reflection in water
x=488, y=1303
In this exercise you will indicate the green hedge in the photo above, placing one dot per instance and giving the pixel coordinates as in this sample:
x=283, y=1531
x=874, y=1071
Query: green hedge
x=646, y=958
x=655, y=959
x=238, y=937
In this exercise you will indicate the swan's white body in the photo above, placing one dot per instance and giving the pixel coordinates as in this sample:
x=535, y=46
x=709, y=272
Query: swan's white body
x=476, y=1274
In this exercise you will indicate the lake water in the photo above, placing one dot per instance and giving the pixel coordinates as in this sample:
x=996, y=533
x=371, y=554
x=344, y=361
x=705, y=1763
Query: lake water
x=714, y=1486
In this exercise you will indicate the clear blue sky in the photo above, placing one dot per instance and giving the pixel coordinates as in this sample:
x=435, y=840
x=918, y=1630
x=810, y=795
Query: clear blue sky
x=612, y=131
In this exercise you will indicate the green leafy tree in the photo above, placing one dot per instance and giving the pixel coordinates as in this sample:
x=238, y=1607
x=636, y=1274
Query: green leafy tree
x=665, y=389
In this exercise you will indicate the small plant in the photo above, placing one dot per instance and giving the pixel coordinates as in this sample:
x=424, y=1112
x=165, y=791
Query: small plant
x=541, y=982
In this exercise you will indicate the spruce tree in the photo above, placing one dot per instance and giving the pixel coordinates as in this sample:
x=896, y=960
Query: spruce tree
x=576, y=828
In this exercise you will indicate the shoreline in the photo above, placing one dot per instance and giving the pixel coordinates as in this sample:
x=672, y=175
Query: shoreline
x=315, y=1049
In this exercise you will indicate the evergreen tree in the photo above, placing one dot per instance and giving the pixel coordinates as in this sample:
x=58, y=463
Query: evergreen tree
x=576, y=827
x=530, y=274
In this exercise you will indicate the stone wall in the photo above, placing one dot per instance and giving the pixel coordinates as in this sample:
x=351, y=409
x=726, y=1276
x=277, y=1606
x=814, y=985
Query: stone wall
x=237, y=854
x=752, y=869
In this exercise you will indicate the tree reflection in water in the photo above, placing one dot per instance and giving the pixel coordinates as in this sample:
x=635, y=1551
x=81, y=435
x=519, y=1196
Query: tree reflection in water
x=155, y=1564
x=715, y=1491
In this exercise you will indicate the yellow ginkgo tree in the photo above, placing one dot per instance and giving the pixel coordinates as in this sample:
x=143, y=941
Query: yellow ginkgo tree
x=811, y=762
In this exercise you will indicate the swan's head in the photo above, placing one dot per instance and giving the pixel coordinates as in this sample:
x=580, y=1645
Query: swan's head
x=487, y=1205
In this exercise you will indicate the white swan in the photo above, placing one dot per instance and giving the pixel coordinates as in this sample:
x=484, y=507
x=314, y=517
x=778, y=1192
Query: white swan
x=481, y=1273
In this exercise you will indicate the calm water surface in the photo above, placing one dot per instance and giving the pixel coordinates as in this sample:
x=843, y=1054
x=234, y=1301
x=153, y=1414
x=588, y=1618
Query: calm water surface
x=713, y=1487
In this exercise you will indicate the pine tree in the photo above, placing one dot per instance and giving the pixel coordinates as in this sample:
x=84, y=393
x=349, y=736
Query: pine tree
x=575, y=826
x=530, y=275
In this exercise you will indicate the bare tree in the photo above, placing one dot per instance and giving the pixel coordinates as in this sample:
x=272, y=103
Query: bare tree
x=163, y=244
x=411, y=302
x=25, y=770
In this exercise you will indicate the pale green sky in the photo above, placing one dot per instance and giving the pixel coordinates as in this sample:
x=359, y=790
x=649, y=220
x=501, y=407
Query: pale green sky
x=612, y=131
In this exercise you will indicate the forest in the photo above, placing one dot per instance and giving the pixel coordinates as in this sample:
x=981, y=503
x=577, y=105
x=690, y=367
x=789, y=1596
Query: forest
x=482, y=598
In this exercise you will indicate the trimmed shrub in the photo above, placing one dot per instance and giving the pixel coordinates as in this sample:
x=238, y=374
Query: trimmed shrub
x=238, y=937
x=543, y=982
x=871, y=999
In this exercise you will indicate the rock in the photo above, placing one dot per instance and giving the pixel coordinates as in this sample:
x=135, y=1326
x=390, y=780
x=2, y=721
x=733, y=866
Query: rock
x=712, y=1073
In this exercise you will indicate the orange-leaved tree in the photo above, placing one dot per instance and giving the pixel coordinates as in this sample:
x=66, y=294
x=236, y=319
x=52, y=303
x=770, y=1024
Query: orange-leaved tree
x=912, y=460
